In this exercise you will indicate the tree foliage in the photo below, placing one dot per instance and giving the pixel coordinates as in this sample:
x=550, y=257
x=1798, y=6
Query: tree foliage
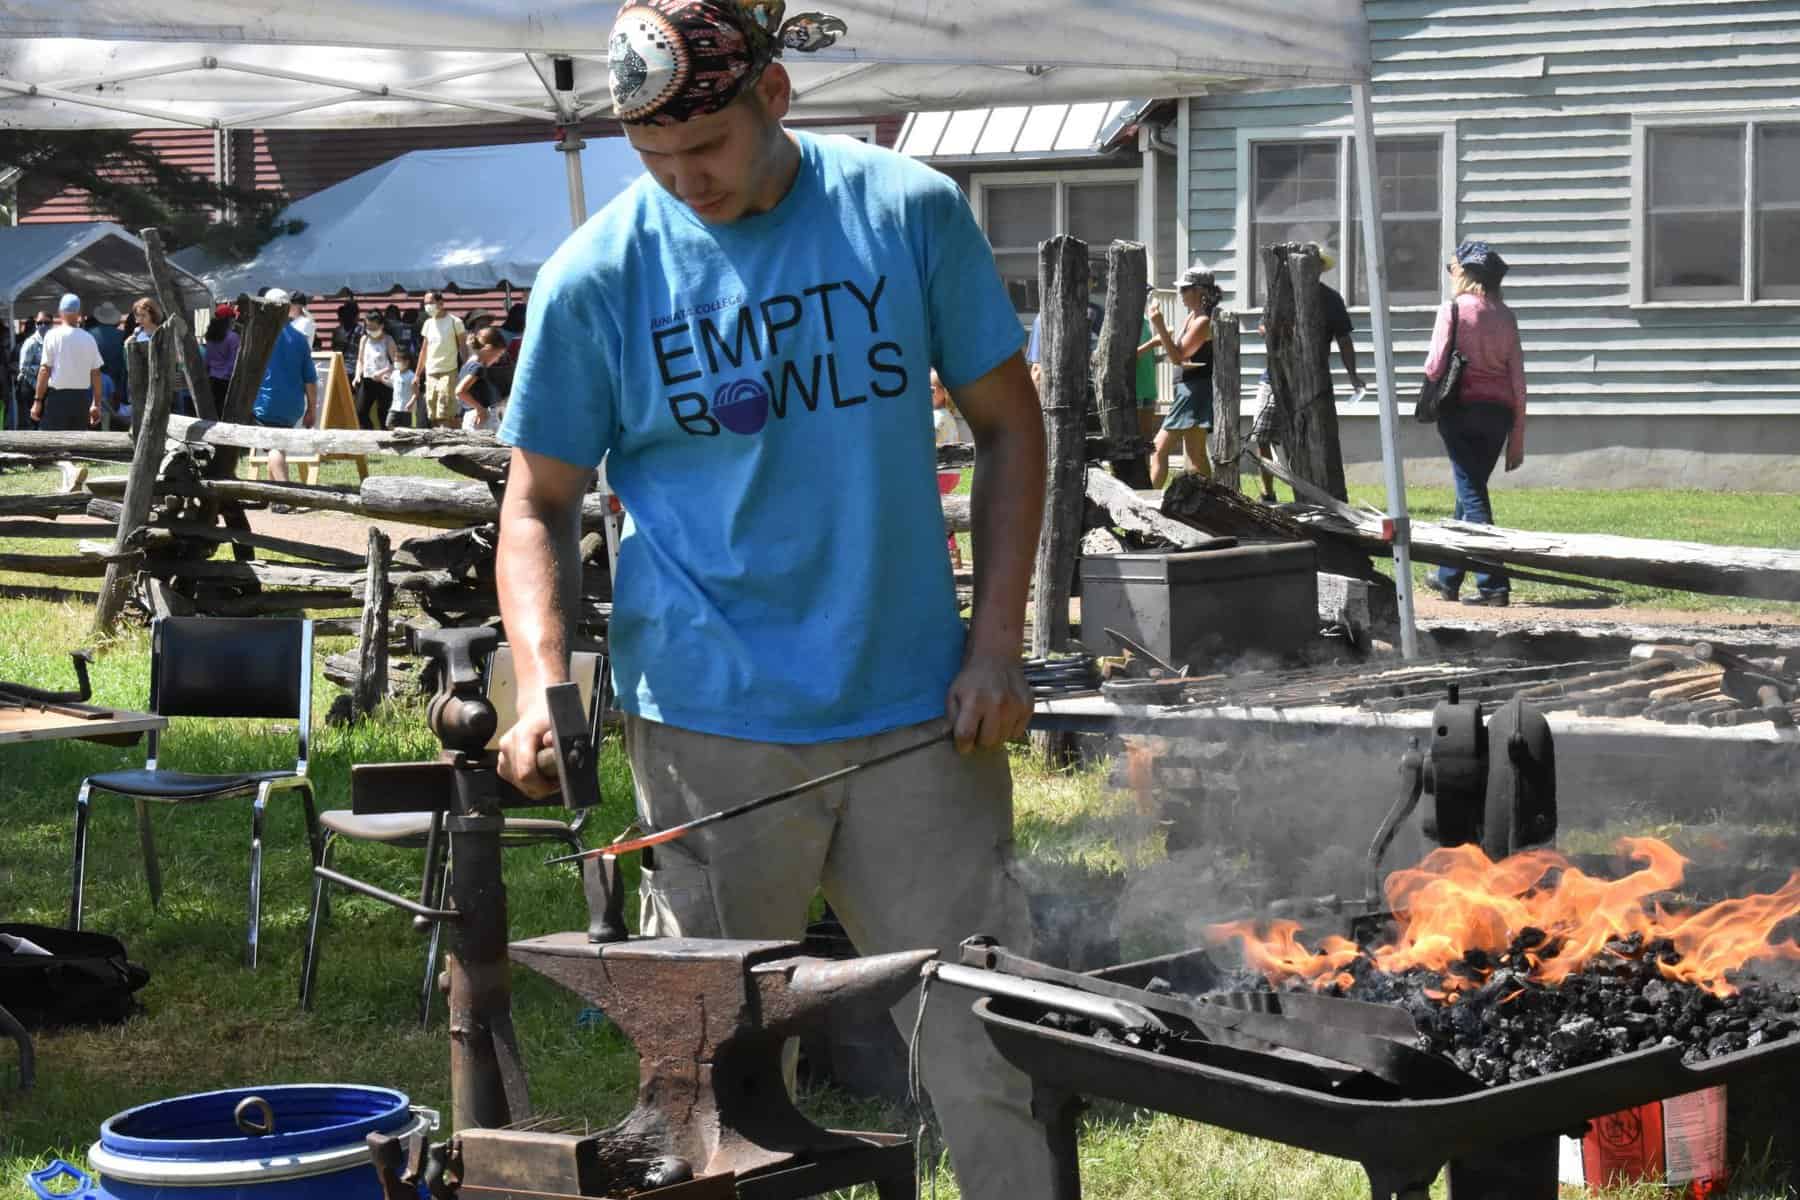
x=130, y=184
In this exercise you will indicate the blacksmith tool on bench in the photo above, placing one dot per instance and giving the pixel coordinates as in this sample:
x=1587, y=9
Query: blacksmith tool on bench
x=68, y=704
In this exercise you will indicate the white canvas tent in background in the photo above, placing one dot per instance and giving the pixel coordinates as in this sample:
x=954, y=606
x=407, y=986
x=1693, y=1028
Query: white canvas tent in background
x=97, y=260
x=388, y=227
x=219, y=64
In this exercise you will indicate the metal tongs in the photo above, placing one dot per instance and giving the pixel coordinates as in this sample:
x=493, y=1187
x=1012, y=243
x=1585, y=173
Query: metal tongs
x=1378, y=1039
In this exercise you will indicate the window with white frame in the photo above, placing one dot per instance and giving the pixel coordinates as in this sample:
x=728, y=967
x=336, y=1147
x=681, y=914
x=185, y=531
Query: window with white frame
x=1303, y=189
x=1720, y=211
x=1019, y=210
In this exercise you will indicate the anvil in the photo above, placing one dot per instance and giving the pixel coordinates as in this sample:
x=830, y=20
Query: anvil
x=708, y=1018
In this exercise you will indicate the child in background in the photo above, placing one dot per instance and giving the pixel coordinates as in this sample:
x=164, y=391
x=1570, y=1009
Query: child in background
x=400, y=415
x=943, y=412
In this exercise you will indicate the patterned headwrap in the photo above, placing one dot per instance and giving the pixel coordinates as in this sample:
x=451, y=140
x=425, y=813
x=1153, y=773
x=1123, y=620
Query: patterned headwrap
x=1481, y=261
x=673, y=60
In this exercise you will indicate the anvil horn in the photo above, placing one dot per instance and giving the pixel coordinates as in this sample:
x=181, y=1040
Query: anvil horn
x=794, y=990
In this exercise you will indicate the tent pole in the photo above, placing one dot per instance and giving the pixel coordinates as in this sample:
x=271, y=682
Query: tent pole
x=1375, y=263
x=569, y=144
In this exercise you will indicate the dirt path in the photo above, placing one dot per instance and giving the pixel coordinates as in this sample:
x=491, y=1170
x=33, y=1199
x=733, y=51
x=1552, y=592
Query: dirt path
x=1599, y=611
x=343, y=531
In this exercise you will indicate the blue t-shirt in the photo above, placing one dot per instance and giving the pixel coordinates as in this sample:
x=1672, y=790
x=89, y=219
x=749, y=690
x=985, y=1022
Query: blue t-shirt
x=281, y=400
x=763, y=391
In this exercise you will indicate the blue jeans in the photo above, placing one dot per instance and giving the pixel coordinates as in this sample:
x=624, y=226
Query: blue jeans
x=1475, y=437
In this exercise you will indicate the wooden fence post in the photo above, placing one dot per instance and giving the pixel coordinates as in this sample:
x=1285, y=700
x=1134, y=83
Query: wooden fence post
x=372, y=638
x=1115, y=369
x=137, y=381
x=187, y=350
x=1063, y=346
x=1300, y=367
x=1225, y=444
x=140, y=482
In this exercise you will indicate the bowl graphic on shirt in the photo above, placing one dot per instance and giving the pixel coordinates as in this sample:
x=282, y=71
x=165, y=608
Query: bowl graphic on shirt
x=741, y=405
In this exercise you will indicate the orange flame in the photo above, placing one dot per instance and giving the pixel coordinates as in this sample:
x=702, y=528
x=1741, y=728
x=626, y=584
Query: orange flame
x=1458, y=900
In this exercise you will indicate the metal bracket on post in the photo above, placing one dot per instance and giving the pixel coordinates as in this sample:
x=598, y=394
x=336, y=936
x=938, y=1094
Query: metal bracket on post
x=571, y=144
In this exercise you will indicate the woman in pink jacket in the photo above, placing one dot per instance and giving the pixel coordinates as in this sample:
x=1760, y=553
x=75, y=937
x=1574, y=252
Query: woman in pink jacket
x=1488, y=416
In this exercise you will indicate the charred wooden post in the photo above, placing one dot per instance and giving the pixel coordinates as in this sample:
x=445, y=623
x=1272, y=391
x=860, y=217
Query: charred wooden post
x=372, y=640
x=1300, y=365
x=1115, y=368
x=261, y=324
x=137, y=381
x=140, y=484
x=1063, y=343
x=186, y=349
x=1225, y=444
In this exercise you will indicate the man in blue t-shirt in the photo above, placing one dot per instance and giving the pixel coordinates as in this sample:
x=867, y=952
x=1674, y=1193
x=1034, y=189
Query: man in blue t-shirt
x=747, y=336
x=289, y=394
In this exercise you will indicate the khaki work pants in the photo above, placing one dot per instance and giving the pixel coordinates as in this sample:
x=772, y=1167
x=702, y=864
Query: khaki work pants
x=914, y=853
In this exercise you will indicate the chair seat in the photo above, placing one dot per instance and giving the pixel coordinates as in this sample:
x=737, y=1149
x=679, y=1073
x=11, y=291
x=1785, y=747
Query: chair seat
x=179, y=785
x=410, y=829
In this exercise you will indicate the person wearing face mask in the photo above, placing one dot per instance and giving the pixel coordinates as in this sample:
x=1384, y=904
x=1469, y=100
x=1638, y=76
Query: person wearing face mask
x=475, y=390
x=31, y=356
x=441, y=356
x=374, y=380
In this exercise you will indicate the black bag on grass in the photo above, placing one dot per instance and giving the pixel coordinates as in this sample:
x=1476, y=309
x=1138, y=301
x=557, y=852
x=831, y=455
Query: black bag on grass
x=85, y=979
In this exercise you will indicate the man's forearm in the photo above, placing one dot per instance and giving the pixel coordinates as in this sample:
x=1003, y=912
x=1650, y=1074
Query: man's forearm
x=1006, y=513
x=534, y=557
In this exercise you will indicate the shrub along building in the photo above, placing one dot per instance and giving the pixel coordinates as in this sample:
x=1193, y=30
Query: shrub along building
x=1638, y=164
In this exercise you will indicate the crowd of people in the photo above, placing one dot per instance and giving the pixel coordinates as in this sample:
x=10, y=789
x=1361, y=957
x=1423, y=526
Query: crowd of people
x=464, y=382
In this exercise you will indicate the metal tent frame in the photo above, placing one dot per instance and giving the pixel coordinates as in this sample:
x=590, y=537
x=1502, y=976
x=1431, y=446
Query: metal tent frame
x=455, y=62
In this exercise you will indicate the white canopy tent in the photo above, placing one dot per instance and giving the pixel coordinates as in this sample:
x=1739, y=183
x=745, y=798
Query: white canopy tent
x=222, y=64
x=96, y=260
x=387, y=227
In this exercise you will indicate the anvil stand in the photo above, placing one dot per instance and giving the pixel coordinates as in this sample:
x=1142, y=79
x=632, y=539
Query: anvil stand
x=487, y=1078
x=720, y=1105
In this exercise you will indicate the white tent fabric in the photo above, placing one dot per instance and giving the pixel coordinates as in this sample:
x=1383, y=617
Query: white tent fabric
x=473, y=217
x=96, y=260
x=256, y=63
x=271, y=64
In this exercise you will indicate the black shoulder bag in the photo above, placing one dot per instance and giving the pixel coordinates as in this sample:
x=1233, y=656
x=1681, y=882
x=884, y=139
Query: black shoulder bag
x=1435, y=393
x=61, y=977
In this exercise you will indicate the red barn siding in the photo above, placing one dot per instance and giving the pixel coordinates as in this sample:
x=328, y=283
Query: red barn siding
x=190, y=148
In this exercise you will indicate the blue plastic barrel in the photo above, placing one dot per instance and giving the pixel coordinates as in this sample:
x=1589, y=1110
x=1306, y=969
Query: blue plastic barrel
x=205, y=1146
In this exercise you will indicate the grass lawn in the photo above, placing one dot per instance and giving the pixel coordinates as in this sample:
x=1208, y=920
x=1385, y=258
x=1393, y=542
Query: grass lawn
x=209, y=1023
x=1719, y=518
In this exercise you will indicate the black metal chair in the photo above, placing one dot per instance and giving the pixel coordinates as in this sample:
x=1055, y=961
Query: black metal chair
x=215, y=667
x=425, y=831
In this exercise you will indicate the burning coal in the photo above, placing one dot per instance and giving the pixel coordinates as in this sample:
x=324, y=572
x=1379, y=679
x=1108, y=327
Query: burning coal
x=1529, y=965
x=1458, y=909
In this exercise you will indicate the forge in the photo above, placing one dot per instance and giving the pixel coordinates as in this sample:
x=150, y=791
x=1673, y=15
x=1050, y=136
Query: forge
x=1464, y=1011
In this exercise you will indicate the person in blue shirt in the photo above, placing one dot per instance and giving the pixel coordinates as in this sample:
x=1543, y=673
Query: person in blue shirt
x=746, y=335
x=289, y=394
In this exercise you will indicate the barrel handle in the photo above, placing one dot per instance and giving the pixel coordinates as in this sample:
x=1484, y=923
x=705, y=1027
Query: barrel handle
x=241, y=1115
x=40, y=1181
